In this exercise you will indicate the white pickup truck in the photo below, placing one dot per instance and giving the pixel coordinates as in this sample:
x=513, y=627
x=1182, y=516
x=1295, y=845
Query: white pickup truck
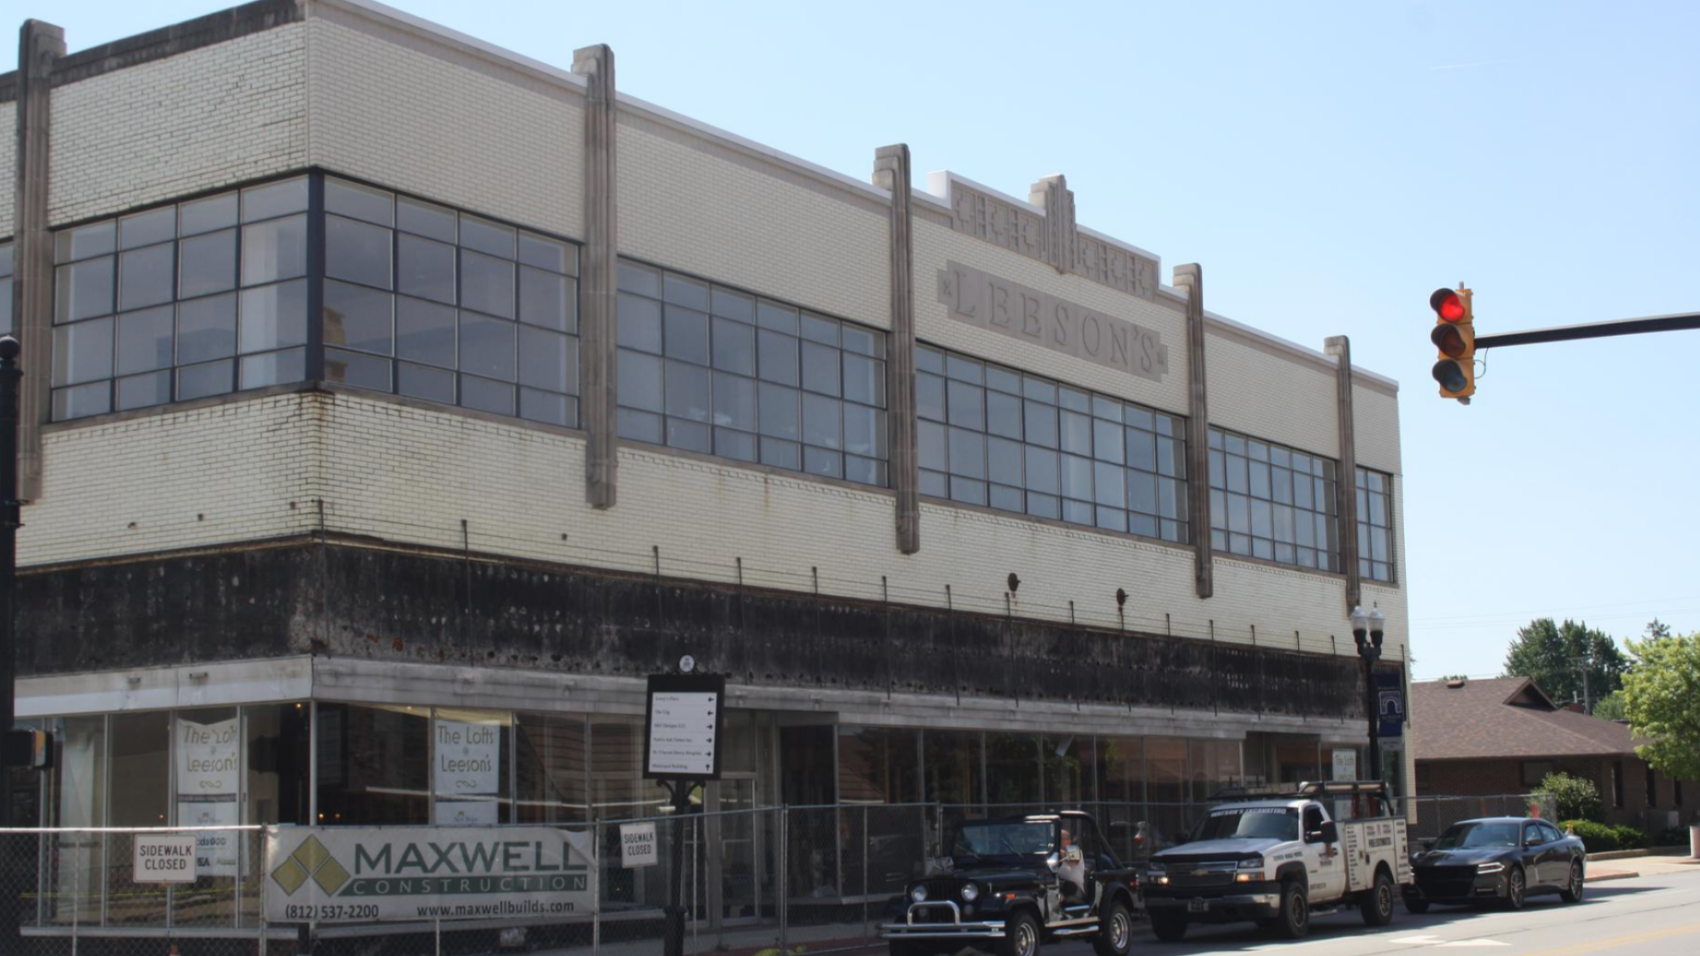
x=1276, y=856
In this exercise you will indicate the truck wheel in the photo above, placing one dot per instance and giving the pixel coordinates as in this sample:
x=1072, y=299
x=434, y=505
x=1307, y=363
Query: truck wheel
x=1572, y=891
x=1377, y=901
x=1115, y=931
x=1416, y=906
x=1020, y=936
x=1169, y=929
x=1516, y=888
x=1294, y=919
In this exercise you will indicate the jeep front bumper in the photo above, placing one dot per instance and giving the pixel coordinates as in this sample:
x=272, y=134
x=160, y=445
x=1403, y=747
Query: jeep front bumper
x=929, y=926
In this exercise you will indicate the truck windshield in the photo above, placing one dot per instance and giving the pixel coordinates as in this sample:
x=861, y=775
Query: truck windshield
x=1002, y=839
x=1462, y=835
x=1249, y=823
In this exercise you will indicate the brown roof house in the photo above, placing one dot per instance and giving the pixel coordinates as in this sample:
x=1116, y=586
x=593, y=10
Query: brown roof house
x=1502, y=735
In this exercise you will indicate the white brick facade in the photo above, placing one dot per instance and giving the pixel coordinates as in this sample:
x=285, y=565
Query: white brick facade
x=8, y=162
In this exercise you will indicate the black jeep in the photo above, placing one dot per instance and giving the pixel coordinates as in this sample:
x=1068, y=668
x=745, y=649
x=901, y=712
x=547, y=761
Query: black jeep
x=1011, y=884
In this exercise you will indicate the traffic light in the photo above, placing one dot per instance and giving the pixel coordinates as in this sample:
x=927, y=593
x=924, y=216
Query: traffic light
x=1455, y=336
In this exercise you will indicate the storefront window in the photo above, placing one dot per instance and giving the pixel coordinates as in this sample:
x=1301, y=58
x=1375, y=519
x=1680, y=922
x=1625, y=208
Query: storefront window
x=551, y=768
x=1012, y=771
x=1121, y=769
x=374, y=764
x=278, y=756
x=878, y=765
x=617, y=788
x=1068, y=768
x=140, y=798
x=1214, y=764
x=79, y=800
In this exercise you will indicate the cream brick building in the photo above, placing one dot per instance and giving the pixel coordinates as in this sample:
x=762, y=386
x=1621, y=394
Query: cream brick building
x=396, y=379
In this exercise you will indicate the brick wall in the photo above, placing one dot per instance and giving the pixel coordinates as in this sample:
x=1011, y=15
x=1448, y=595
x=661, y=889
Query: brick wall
x=1499, y=776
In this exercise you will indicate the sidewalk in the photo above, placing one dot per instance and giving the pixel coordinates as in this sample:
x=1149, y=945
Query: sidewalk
x=1641, y=866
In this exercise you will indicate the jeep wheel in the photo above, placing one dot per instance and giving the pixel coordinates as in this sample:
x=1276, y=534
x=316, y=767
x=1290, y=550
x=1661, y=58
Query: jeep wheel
x=1516, y=888
x=1377, y=902
x=1115, y=931
x=1169, y=929
x=1294, y=919
x=1572, y=891
x=1020, y=936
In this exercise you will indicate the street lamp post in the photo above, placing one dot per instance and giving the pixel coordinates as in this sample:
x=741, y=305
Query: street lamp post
x=1368, y=630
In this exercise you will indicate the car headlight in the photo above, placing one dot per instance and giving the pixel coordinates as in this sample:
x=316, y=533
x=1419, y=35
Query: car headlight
x=970, y=892
x=1255, y=863
x=918, y=893
x=1485, y=868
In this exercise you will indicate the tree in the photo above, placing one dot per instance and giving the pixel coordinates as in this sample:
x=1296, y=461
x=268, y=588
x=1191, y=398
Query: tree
x=1660, y=700
x=1657, y=628
x=1555, y=655
x=1611, y=706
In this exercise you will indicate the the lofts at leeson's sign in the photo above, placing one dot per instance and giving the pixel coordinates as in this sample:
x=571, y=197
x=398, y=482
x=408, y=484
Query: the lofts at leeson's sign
x=1009, y=308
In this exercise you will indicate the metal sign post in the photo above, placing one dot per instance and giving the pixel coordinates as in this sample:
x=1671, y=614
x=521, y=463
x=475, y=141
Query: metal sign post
x=682, y=727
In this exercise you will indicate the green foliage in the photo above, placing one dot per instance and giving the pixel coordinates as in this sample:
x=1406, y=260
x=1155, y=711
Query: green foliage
x=1596, y=837
x=1572, y=798
x=1630, y=838
x=1659, y=697
x=1675, y=836
x=1611, y=706
x=1551, y=654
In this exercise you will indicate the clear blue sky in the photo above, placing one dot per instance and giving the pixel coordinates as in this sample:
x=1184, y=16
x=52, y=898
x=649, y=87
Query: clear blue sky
x=1329, y=165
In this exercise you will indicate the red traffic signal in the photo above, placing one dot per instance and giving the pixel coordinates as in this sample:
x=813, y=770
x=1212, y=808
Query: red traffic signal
x=1454, y=337
x=1448, y=305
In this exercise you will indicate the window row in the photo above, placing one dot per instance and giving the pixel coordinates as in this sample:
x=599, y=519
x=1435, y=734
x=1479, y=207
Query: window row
x=713, y=370
x=993, y=436
x=1273, y=502
x=1375, y=525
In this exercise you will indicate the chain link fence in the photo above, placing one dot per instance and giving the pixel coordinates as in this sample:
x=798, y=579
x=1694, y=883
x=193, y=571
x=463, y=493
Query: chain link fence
x=1433, y=814
x=767, y=880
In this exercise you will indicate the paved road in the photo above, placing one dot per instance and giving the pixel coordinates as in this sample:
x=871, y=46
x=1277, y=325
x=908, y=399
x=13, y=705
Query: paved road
x=1654, y=915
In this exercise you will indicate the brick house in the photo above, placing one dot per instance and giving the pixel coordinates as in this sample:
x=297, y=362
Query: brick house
x=1503, y=735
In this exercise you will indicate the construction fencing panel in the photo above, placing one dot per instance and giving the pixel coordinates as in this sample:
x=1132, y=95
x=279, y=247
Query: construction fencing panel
x=1434, y=814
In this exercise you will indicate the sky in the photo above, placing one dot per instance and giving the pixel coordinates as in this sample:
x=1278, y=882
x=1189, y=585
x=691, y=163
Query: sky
x=1329, y=165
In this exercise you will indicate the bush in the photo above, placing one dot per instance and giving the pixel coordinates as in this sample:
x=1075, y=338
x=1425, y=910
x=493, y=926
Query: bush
x=1596, y=837
x=1675, y=836
x=1630, y=838
x=1572, y=798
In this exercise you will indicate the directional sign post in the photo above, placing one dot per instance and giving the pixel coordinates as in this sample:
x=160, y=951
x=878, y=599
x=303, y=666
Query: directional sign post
x=681, y=747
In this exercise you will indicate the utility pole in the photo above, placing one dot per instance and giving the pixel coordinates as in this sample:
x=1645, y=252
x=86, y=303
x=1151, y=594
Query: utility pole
x=1585, y=665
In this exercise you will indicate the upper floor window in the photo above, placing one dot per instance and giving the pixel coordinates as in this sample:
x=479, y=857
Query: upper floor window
x=195, y=299
x=1273, y=502
x=993, y=436
x=711, y=369
x=1375, y=525
x=425, y=301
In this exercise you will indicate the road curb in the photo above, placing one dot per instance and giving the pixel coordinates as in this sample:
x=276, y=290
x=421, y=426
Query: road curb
x=1601, y=877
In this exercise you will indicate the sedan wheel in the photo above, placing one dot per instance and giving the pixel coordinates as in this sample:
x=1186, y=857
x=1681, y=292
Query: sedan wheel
x=1572, y=891
x=1515, y=888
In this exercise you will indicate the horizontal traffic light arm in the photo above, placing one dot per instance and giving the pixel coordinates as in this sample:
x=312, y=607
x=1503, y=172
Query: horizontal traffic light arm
x=1593, y=330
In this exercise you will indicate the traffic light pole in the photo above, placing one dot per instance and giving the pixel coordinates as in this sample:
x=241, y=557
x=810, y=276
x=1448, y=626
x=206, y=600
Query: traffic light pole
x=1593, y=330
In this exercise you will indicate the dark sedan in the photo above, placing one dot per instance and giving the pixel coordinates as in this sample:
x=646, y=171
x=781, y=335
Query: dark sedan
x=1502, y=860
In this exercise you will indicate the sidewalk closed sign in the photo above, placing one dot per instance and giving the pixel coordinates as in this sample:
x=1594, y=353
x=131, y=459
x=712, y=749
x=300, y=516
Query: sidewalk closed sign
x=637, y=845
x=164, y=859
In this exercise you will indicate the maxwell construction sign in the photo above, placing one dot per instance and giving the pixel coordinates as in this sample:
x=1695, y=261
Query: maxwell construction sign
x=363, y=874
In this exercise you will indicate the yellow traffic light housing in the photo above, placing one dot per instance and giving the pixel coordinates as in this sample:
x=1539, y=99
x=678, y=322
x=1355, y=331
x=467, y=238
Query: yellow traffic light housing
x=1454, y=335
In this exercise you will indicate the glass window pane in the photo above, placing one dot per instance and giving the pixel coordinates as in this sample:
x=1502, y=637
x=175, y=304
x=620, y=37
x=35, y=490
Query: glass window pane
x=425, y=268
x=205, y=215
x=425, y=332
x=487, y=347
x=82, y=352
x=357, y=251
x=1281, y=485
x=198, y=381
x=821, y=421
x=1079, y=512
x=1039, y=390
x=485, y=395
x=687, y=391
x=80, y=401
x=1002, y=379
x=1142, y=450
x=931, y=448
x=640, y=426
x=144, y=277
x=361, y=371
x=486, y=284
x=360, y=202
x=6, y=326
x=1239, y=513
x=1041, y=470
x=820, y=366
x=273, y=250
x=776, y=357
x=864, y=431
x=546, y=253
x=546, y=407
x=544, y=299
x=273, y=368
x=683, y=290
x=864, y=470
x=1076, y=433
x=640, y=323
x=1259, y=479
x=357, y=317
x=1077, y=477
x=419, y=381
x=780, y=318
x=206, y=329
x=147, y=228
x=639, y=279
x=1006, y=498
x=734, y=347
x=864, y=379
x=820, y=461
x=1378, y=550
x=1108, y=483
x=929, y=396
x=1141, y=492
x=686, y=334
x=935, y=484
x=145, y=340
x=734, y=305
x=547, y=360
x=689, y=435
x=777, y=412
x=820, y=329
x=1003, y=415
x=208, y=264
x=1171, y=499
x=1378, y=509
x=1044, y=506
x=1113, y=519
x=967, y=453
x=486, y=236
x=425, y=219
x=640, y=382
x=274, y=199
x=1074, y=400
x=735, y=401
x=964, y=369
x=781, y=454
x=967, y=405
x=83, y=290
x=929, y=360
x=862, y=341
x=91, y=240
x=141, y=391
x=273, y=316
x=734, y=444
x=1107, y=441
x=1283, y=524
x=967, y=490
x=1237, y=480
x=1041, y=423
